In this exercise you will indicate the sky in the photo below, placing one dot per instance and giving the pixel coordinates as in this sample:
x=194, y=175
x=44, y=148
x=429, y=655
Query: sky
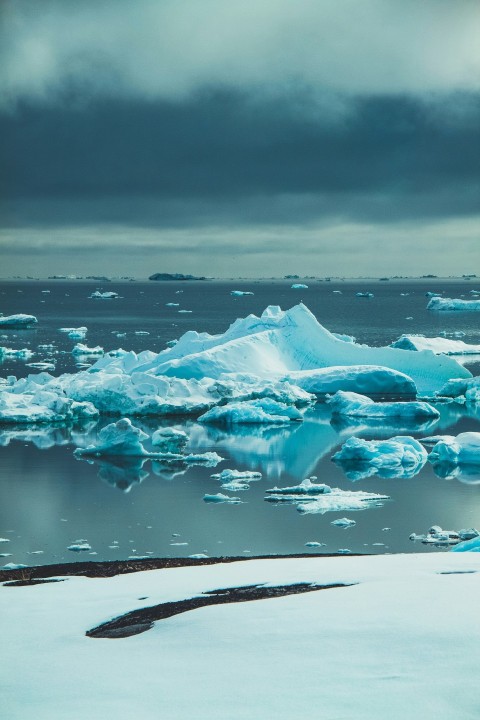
x=316, y=137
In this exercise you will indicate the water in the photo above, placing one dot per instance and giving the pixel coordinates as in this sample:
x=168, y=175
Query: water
x=49, y=499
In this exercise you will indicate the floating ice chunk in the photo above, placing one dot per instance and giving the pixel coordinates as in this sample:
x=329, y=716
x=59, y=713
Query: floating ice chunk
x=119, y=438
x=18, y=321
x=172, y=304
x=370, y=380
x=239, y=293
x=185, y=311
x=197, y=556
x=227, y=475
x=24, y=354
x=75, y=333
x=42, y=365
x=4, y=540
x=442, y=538
x=398, y=457
x=14, y=566
x=81, y=349
x=364, y=294
x=353, y=404
x=437, y=345
x=221, y=498
x=432, y=294
x=263, y=410
x=314, y=544
x=472, y=545
x=142, y=332
x=344, y=522
x=170, y=440
x=453, y=304
x=210, y=459
x=341, y=501
x=299, y=286
x=464, y=449
x=97, y=295
x=80, y=546
x=306, y=487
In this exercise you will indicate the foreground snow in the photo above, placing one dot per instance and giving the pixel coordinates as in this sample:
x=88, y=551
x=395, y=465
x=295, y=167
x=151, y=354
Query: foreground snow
x=391, y=645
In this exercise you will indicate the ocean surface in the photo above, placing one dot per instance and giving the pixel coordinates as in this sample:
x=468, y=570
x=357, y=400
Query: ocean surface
x=49, y=499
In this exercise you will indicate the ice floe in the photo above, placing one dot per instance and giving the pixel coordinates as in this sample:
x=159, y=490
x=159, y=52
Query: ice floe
x=437, y=345
x=441, y=538
x=397, y=457
x=11, y=353
x=239, y=293
x=17, y=321
x=221, y=498
x=364, y=294
x=299, y=286
x=80, y=349
x=353, y=404
x=318, y=498
x=264, y=410
x=109, y=295
x=453, y=304
x=227, y=475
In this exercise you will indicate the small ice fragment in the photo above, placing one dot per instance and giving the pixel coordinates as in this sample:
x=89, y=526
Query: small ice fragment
x=79, y=546
x=344, y=551
x=172, y=304
x=386, y=529
x=198, y=556
x=177, y=544
x=4, y=540
x=344, y=522
x=14, y=566
x=185, y=311
x=221, y=498
x=299, y=286
x=314, y=544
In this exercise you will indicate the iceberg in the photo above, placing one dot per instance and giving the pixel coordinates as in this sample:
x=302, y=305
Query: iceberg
x=221, y=498
x=453, y=305
x=24, y=354
x=80, y=349
x=170, y=440
x=239, y=293
x=97, y=295
x=119, y=438
x=264, y=410
x=443, y=538
x=228, y=475
x=306, y=487
x=299, y=286
x=464, y=449
x=364, y=294
x=280, y=355
x=353, y=404
x=472, y=545
x=42, y=406
x=398, y=457
x=17, y=321
x=438, y=345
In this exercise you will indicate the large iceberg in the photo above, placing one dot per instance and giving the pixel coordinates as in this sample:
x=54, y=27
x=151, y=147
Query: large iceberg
x=355, y=405
x=284, y=356
x=453, y=304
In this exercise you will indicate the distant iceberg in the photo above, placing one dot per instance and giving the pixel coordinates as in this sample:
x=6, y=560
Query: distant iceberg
x=438, y=345
x=353, y=404
x=453, y=304
x=18, y=321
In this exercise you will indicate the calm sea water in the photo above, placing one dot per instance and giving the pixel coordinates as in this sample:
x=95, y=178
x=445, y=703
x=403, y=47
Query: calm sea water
x=48, y=499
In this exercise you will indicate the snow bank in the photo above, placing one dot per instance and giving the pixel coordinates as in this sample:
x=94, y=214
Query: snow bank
x=18, y=321
x=353, y=404
x=398, y=457
x=453, y=304
x=438, y=345
x=361, y=638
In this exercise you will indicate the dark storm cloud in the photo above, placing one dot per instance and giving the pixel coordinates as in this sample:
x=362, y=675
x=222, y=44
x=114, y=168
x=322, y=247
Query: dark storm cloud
x=222, y=156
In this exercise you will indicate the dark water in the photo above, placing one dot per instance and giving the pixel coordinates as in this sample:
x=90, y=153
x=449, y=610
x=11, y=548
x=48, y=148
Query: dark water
x=48, y=499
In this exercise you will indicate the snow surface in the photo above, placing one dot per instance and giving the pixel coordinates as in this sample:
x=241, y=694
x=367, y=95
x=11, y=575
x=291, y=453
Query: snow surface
x=20, y=320
x=392, y=645
x=453, y=304
x=353, y=404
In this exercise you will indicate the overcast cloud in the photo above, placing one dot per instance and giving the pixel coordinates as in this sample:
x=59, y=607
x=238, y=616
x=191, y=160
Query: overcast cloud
x=206, y=132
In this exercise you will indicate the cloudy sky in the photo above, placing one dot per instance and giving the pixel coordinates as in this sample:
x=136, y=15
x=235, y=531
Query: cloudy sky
x=327, y=137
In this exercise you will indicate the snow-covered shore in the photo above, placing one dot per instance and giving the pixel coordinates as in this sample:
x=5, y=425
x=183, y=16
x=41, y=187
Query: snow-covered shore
x=391, y=643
